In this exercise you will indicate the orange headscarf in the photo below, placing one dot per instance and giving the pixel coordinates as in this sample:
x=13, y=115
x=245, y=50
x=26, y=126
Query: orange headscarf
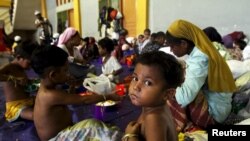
x=220, y=78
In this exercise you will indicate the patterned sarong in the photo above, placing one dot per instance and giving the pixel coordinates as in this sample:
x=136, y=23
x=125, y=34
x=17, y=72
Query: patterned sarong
x=195, y=114
x=89, y=130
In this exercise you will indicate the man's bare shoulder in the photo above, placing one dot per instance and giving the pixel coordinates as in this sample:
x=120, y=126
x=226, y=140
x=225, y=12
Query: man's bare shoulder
x=51, y=96
x=12, y=72
x=11, y=68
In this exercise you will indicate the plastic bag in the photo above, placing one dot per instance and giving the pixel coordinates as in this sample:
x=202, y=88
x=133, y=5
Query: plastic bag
x=99, y=84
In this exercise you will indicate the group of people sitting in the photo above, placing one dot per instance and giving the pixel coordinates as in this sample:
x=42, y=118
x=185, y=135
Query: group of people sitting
x=175, y=97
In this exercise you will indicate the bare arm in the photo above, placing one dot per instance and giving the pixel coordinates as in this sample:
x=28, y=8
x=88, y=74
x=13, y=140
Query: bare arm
x=63, y=98
x=132, y=132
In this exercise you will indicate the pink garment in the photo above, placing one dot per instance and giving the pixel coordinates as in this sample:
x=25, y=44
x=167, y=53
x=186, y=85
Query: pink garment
x=66, y=35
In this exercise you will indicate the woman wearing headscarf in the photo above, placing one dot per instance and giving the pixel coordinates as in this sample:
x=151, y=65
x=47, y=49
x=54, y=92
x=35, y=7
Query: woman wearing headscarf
x=205, y=96
x=70, y=41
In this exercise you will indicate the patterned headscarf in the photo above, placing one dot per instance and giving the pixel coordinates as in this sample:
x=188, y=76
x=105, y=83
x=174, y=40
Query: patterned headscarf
x=66, y=35
x=220, y=77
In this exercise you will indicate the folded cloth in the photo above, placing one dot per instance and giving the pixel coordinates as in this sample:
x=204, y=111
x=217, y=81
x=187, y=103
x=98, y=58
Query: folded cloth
x=89, y=130
x=14, y=108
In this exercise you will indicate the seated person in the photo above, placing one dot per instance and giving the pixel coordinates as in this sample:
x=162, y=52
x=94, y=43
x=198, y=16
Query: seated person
x=68, y=41
x=71, y=42
x=128, y=54
x=110, y=65
x=154, y=80
x=156, y=44
x=93, y=48
x=216, y=39
x=229, y=39
x=89, y=49
x=205, y=96
x=237, y=49
x=51, y=114
x=19, y=103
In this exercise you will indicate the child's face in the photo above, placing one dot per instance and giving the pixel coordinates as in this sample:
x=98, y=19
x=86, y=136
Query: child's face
x=147, y=87
x=140, y=39
x=101, y=51
x=146, y=35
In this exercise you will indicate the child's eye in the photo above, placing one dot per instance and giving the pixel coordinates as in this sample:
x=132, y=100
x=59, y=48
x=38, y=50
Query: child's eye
x=134, y=78
x=148, y=83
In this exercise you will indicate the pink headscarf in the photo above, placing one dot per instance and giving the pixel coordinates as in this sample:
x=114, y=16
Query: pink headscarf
x=66, y=35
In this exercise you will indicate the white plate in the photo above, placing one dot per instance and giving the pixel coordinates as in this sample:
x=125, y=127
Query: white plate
x=106, y=103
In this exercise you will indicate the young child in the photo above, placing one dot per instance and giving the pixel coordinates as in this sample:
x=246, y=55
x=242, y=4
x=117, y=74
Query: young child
x=155, y=79
x=51, y=114
x=111, y=67
x=19, y=103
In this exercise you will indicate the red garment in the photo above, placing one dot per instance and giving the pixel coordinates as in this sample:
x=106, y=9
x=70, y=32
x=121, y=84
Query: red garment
x=194, y=115
x=237, y=35
x=3, y=46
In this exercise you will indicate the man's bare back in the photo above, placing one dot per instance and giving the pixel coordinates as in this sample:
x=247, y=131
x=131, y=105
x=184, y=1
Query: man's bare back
x=19, y=103
x=14, y=78
x=50, y=118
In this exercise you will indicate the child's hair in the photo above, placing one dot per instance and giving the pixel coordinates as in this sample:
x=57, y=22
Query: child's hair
x=153, y=36
x=25, y=49
x=46, y=57
x=147, y=30
x=171, y=70
x=115, y=42
x=213, y=34
x=140, y=36
x=107, y=44
x=86, y=39
x=160, y=34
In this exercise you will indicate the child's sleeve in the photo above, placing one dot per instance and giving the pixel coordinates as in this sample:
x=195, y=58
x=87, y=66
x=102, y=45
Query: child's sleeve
x=116, y=64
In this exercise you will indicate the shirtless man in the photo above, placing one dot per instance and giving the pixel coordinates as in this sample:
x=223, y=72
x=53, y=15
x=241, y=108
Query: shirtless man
x=51, y=114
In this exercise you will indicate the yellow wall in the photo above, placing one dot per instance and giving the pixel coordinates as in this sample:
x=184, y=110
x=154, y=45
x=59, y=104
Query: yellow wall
x=141, y=16
x=77, y=15
x=129, y=21
x=5, y=3
x=44, y=8
x=71, y=18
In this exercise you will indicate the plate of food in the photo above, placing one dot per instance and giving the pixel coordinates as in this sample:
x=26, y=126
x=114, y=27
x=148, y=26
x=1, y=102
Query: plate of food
x=106, y=103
